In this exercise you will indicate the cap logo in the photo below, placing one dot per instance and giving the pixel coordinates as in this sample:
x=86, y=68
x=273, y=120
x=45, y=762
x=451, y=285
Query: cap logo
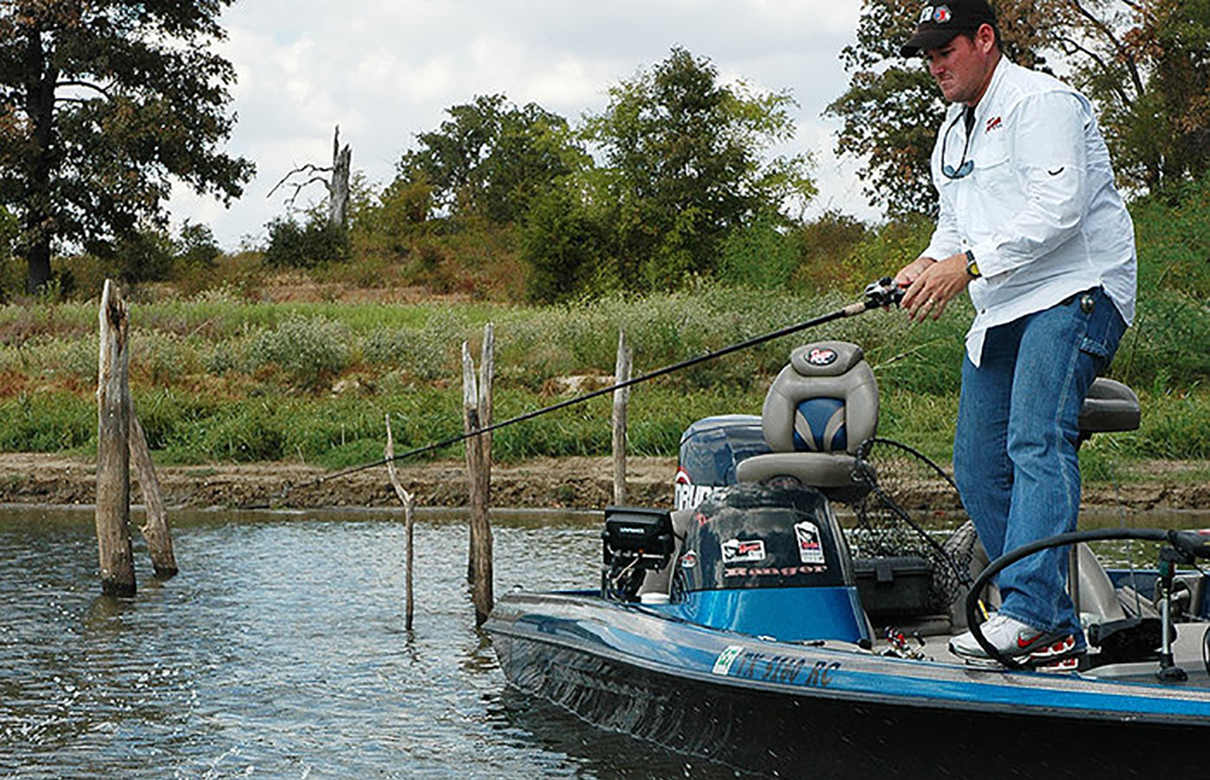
x=939, y=14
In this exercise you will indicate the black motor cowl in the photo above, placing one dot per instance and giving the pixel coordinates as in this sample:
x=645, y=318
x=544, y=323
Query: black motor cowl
x=764, y=536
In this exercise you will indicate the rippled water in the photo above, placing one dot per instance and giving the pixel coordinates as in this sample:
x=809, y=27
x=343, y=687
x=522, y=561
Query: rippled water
x=279, y=651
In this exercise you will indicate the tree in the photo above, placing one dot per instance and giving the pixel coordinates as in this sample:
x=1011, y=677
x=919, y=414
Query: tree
x=892, y=109
x=490, y=158
x=684, y=162
x=1147, y=64
x=102, y=105
x=337, y=183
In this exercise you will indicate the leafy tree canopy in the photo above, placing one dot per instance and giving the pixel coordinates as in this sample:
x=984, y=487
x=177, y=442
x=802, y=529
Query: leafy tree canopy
x=490, y=158
x=102, y=104
x=684, y=164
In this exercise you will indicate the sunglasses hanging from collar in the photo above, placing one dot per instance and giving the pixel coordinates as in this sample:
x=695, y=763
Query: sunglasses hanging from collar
x=965, y=166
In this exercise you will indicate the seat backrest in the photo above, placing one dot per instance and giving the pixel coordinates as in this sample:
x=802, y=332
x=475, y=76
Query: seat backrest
x=824, y=401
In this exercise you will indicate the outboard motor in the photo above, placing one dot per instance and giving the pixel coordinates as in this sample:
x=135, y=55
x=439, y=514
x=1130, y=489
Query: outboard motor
x=710, y=450
x=769, y=560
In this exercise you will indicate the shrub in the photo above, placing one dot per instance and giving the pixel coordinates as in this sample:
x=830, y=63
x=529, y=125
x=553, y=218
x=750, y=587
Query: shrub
x=759, y=255
x=292, y=245
x=565, y=248
x=309, y=350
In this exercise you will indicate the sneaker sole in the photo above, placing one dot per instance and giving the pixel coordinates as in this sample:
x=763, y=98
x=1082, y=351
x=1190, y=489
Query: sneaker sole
x=1061, y=654
x=1069, y=664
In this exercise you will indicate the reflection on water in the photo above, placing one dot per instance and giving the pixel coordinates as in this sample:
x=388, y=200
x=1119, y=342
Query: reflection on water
x=279, y=652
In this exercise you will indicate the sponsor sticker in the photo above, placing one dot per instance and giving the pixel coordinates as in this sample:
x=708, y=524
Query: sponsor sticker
x=689, y=560
x=743, y=551
x=722, y=665
x=810, y=549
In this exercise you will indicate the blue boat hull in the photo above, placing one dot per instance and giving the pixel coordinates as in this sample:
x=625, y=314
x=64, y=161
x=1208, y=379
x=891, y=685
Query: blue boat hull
x=829, y=710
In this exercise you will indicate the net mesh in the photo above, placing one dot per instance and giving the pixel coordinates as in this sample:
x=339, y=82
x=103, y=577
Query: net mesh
x=910, y=507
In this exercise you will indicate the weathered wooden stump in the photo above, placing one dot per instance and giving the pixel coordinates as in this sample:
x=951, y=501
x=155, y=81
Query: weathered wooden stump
x=621, y=399
x=407, y=499
x=113, y=448
x=477, y=411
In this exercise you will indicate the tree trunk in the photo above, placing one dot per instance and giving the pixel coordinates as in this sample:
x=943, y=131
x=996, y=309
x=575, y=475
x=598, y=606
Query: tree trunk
x=39, y=79
x=338, y=192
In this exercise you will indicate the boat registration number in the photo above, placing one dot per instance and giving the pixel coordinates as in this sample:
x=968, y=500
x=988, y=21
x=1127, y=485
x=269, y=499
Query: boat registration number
x=736, y=661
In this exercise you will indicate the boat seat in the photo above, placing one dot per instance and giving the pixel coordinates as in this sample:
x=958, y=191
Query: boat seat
x=818, y=411
x=1110, y=406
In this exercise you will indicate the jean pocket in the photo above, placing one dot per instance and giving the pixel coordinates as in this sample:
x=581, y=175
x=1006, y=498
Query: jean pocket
x=1105, y=328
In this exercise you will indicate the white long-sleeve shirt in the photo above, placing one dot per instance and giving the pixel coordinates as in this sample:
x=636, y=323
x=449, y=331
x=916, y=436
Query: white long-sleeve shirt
x=1039, y=209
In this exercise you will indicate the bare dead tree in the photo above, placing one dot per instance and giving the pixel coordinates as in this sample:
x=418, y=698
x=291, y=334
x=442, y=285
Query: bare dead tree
x=336, y=182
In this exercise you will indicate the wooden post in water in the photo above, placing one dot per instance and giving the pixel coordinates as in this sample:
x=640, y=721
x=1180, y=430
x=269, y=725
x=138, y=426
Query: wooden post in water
x=621, y=399
x=113, y=448
x=406, y=499
x=155, y=530
x=476, y=406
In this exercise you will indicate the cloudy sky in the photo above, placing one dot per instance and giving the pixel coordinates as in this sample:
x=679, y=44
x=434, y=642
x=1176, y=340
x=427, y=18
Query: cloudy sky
x=385, y=70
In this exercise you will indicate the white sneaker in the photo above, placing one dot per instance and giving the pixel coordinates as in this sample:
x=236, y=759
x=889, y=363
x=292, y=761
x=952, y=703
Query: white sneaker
x=1016, y=640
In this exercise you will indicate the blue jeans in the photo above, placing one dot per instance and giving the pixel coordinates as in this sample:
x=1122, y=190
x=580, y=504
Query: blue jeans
x=1015, y=445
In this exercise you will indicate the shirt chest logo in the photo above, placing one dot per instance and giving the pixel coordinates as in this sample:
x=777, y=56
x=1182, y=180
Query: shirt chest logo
x=995, y=123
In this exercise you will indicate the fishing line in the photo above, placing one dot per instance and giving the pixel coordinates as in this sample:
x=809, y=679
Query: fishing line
x=878, y=295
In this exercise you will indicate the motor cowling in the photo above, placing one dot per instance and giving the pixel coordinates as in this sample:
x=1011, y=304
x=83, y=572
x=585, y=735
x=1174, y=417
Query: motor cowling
x=763, y=536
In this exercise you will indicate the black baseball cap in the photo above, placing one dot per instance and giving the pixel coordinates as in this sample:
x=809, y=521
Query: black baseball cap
x=940, y=22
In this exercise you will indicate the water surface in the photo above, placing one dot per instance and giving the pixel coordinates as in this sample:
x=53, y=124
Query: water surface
x=279, y=651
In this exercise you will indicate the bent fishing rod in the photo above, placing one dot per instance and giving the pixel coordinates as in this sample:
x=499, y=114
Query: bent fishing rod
x=881, y=294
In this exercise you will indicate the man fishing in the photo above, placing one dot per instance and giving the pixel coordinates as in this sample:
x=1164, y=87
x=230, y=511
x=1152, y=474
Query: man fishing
x=1031, y=225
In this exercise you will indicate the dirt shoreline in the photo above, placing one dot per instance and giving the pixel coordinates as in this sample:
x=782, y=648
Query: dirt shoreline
x=546, y=483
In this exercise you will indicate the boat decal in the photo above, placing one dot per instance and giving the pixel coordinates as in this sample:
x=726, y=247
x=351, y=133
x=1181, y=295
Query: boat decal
x=689, y=560
x=722, y=665
x=689, y=495
x=743, y=550
x=772, y=571
x=735, y=661
x=810, y=547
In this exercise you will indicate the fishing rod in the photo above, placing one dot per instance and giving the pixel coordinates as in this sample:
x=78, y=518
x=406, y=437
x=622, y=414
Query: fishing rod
x=881, y=294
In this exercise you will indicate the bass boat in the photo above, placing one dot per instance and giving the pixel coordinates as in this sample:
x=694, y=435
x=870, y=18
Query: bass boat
x=791, y=617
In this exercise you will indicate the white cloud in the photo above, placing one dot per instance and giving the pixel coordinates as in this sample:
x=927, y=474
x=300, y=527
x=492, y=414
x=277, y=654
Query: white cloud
x=385, y=71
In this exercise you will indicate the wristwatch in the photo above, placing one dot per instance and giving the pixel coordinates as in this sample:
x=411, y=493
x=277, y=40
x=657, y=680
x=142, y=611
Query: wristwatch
x=972, y=268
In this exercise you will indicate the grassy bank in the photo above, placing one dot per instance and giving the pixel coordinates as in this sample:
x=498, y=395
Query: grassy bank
x=216, y=378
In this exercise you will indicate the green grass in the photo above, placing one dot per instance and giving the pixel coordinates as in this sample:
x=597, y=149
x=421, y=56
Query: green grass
x=218, y=379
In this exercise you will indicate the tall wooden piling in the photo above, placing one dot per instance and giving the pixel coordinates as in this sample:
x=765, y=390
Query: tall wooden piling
x=113, y=447
x=621, y=399
x=407, y=499
x=476, y=405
